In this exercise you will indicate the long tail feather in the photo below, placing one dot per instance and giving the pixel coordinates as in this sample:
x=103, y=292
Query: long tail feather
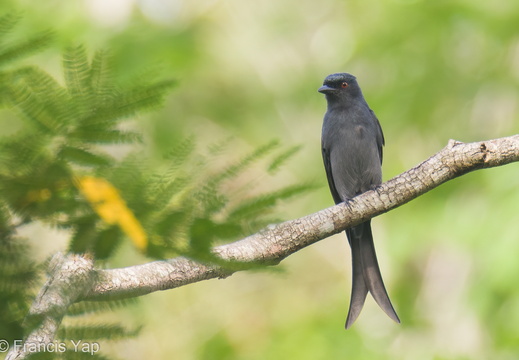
x=359, y=290
x=364, y=261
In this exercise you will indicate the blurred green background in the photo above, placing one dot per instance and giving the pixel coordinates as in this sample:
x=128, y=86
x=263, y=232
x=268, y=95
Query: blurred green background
x=431, y=71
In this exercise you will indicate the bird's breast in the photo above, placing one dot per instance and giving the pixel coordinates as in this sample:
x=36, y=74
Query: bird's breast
x=359, y=131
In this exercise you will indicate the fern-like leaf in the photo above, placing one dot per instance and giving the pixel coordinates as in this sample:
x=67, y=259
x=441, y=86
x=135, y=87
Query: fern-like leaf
x=125, y=104
x=181, y=151
x=98, y=136
x=84, y=156
x=73, y=354
x=282, y=158
x=77, y=70
x=17, y=275
x=8, y=22
x=39, y=98
x=21, y=152
x=262, y=204
x=14, y=52
x=92, y=307
x=142, y=98
x=241, y=165
x=100, y=78
x=96, y=332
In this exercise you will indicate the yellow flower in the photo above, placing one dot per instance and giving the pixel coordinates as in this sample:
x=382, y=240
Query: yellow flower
x=111, y=207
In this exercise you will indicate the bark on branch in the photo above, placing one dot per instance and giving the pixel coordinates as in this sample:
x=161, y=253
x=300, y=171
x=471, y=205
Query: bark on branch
x=276, y=242
x=69, y=277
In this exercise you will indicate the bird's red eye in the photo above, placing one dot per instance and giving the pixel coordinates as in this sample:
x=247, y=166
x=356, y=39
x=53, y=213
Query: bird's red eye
x=344, y=85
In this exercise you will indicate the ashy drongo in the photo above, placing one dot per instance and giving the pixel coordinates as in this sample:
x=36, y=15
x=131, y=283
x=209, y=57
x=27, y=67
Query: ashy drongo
x=352, y=143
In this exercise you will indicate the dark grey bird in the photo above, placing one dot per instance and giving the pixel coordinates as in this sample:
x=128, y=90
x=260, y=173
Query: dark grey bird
x=352, y=143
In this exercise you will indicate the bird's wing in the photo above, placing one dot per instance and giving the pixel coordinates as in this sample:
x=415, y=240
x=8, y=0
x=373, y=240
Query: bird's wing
x=329, y=175
x=380, y=135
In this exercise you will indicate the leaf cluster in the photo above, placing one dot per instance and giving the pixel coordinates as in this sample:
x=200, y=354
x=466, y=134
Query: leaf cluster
x=178, y=204
x=17, y=276
x=65, y=133
x=182, y=201
x=186, y=204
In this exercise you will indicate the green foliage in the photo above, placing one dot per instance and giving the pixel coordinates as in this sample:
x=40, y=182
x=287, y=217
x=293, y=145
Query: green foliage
x=70, y=353
x=59, y=169
x=217, y=347
x=18, y=274
x=185, y=205
x=96, y=332
x=20, y=49
x=63, y=126
x=89, y=307
x=11, y=51
x=180, y=202
x=282, y=158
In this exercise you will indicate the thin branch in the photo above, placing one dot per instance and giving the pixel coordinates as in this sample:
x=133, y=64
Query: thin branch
x=275, y=243
x=69, y=276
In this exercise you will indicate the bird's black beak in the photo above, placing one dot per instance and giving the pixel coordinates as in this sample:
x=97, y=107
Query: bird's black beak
x=325, y=89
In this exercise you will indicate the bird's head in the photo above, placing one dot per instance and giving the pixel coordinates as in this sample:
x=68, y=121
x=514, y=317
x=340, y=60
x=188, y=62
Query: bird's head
x=340, y=86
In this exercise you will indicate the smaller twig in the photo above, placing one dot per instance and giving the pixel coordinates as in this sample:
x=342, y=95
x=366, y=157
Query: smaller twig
x=69, y=276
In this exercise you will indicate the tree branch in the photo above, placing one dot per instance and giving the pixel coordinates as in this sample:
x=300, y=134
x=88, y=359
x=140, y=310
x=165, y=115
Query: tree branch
x=276, y=242
x=74, y=278
x=69, y=276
